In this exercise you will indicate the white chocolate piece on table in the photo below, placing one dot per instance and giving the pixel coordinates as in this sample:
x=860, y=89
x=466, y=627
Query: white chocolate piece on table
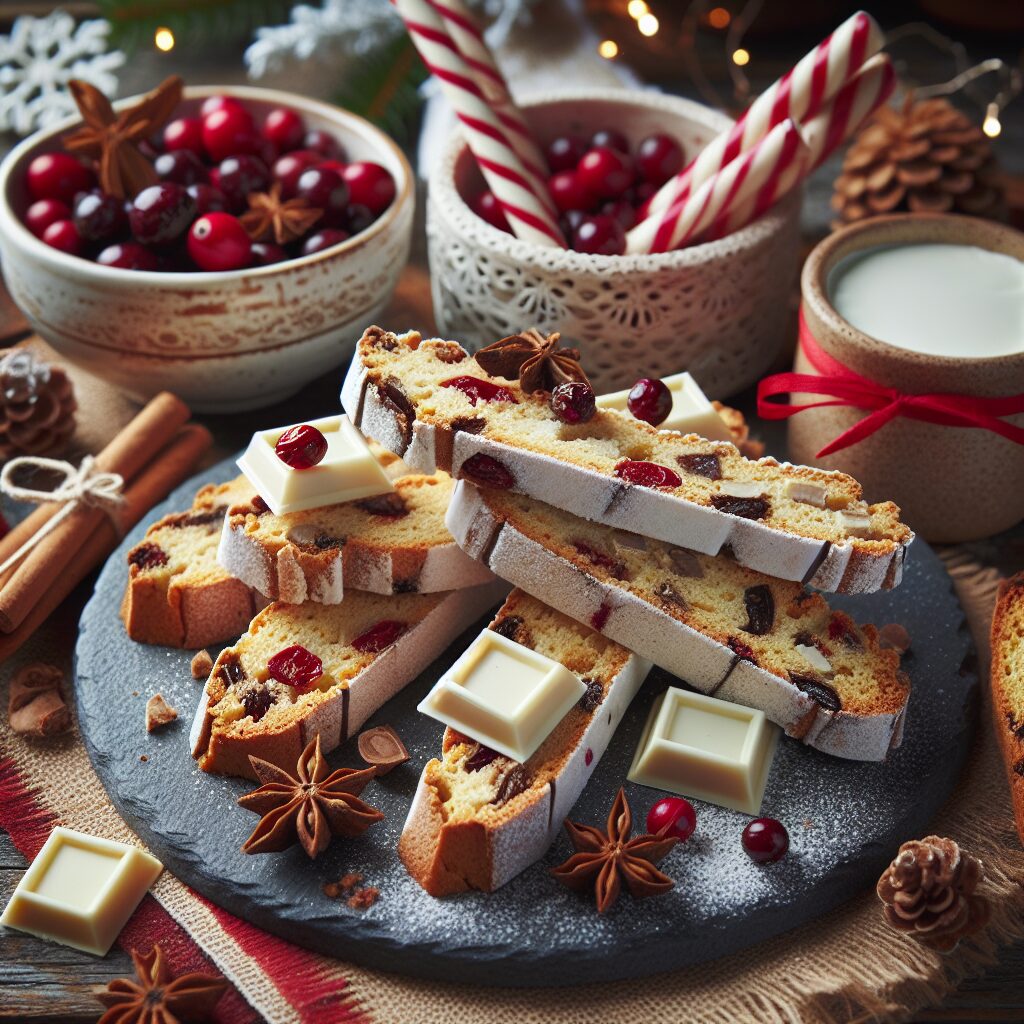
x=348, y=471
x=503, y=695
x=691, y=413
x=80, y=890
x=706, y=748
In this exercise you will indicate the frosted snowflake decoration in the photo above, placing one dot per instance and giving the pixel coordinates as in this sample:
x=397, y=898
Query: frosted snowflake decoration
x=40, y=57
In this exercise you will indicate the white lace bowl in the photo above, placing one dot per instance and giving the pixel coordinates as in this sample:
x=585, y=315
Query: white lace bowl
x=222, y=341
x=719, y=310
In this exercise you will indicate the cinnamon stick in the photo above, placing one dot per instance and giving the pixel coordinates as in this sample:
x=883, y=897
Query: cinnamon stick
x=172, y=466
x=133, y=449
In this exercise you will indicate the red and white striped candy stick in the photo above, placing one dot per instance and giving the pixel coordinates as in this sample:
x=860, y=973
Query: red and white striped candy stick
x=526, y=211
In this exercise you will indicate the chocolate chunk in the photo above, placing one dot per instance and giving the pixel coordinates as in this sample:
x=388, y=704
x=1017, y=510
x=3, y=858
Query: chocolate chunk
x=1019, y=767
x=592, y=699
x=742, y=650
x=393, y=397
x=214, y=515
x=405, y=586
x=323, y=541
x=377, y=337
x=383, y=748
x=257, y=701
x=686, y=563
x=817, y=690
x=516, y=781
x=746, y=508
x=480, y=758
x=760, y=605
x=668, y=595
x=259, y=506
x=231, y=670
x=468, y=424
x=391, y=505
x=508, y=626
x=147, y=555
x=700, y=464
x=614, y=566
x=1016, y=726
x=841, y=629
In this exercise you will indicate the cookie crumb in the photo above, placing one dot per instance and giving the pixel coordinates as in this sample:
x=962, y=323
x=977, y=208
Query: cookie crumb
x=363, y=899
x=344, y=886
x=143, y=758
x=158, y=713
x=894, y=636
x=202, y=665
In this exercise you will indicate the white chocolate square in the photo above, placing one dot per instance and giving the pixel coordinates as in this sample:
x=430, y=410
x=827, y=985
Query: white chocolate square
x=503, y=695
x=691, y=413
x=80, y=890
x=348, y=470
x=814, y=657
x=706, y=748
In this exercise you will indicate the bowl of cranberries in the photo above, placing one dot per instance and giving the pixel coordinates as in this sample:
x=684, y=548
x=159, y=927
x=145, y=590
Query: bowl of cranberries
x=273, y=230
x=719, y=309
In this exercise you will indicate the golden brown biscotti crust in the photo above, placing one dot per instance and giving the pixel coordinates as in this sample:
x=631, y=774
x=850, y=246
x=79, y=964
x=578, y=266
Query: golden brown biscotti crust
x=1007, y=676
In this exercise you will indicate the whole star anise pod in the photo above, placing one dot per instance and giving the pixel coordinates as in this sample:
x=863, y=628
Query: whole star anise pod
x=536, y=360
x=929, y=892
x=111, y=137
x=311, y=806
x=606, y=859
x=271, y=218
x=157, y=997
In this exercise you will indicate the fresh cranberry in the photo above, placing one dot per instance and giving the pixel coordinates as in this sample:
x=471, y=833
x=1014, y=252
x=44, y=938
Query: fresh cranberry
x=238, y=176
x=573, y=402
x=647, y=474
x=128, y=256
x=301, y=447
x=563, y=153
x=765, y=840
x=658, y=158
x=325, y=144
x=325, y=190
x=477, y=390
x=182, y=166
x=323, y=240
x=58, y=176
x=605, y=172
x=296, y=666
x=217, y=241
x=264, y=254
x=370, y=185
x=641, y=193
x=43, y=212
x=487, y=207
x=99, y=217
x=482, y=469
x=289, y=168
x=621, y=210
x=63, y=235
x=229, y=131
x=610, y=138
x=207, y=198
x=379, y=636
x=358, y=218
x=650, y=400
x=675, y=815
x=601, y=235
x=161, y=213
x=284, y=128
x=184, y=133
x=212, y=103
x=569, y=191
x=571, y=220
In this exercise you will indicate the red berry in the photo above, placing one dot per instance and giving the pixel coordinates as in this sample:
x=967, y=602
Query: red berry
x=588, y=757
x=184, y=133
x=477, y=390
x=99, y=217
x=765, y=840
x=207, y=198
x=63, y=235
x=564, y=153
x=650, y=400
x=161, y=213
x=600, y=618
x=571, y=220
x=325, y=190
x=658, y=158
x=482, y=469
x=42, y=213
x=182, y=166
x=284, y=128
x=217, y=241
x=358, y=218
x=601, y=235
x=229, y=130
x=324, y=240
x=647, y=474
x=296, y=666
x=147, y=555
x=128, y=256
x=263, y=254
x=573, y=402
x=621, y=210
x=380, y=636
x=641, y=193
x=301, y=447
x=674, y=814
x=569, y=191
x=288, y=169
x=605, y=172
x=239, y=176
x=487, y=207
x=58, y=176
x=325, y=144
x=212, y=103
x=611, y=138
x=370, y=185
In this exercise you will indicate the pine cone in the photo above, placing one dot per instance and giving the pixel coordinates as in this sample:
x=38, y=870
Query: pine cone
x=926, y=157
x=929, y=892
x=37, y=405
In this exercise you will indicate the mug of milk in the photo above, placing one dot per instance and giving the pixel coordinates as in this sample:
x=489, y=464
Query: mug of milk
x=930, y=306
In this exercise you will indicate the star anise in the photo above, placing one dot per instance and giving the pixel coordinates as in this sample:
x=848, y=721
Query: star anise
x=273, y=219
x=606, y=859
x=111, y=137
x=537, y=361
x=311, y=806
x=157, y=997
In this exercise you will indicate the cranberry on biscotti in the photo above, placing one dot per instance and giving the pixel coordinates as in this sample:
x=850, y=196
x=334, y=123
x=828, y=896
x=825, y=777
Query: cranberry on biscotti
x=573, y=402
x=650, y=400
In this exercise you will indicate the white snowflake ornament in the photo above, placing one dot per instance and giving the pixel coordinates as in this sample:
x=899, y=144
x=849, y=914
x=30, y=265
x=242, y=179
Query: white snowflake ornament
x=40, y=57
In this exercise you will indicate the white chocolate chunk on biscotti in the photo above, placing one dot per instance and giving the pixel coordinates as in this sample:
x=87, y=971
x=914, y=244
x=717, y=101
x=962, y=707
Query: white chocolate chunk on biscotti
x=478, y=818
x=724, y=629
x=433, y=404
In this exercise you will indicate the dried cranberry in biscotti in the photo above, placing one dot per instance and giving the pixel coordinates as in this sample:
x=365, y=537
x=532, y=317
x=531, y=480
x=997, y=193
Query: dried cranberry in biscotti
x=486, y=471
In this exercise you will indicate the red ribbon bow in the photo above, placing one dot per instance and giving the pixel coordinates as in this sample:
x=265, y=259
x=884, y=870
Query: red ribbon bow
x=847, y=387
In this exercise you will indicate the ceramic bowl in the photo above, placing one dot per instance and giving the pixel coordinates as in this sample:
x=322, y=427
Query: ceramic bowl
x=222, y=341
x=719, y=310
x=951, y=483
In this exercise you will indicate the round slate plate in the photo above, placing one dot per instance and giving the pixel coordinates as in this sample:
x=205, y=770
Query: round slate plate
x=845, y=818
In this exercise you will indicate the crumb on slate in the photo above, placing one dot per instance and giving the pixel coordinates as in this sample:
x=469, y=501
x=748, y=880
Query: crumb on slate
x=363, y=899
x=202, y=665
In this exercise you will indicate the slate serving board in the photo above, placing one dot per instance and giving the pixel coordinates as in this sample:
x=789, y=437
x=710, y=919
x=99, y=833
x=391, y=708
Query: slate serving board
x=845, y=819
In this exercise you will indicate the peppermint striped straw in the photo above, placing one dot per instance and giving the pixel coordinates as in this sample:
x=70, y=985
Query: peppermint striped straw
x=528, y=214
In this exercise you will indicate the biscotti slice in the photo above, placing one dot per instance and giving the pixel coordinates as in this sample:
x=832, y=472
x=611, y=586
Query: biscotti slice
x=393, y=543
x=478, y=818
x=725, y=629
x=177, y=594
x=1008, y=686
x=367, y=649
x=433, y=404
